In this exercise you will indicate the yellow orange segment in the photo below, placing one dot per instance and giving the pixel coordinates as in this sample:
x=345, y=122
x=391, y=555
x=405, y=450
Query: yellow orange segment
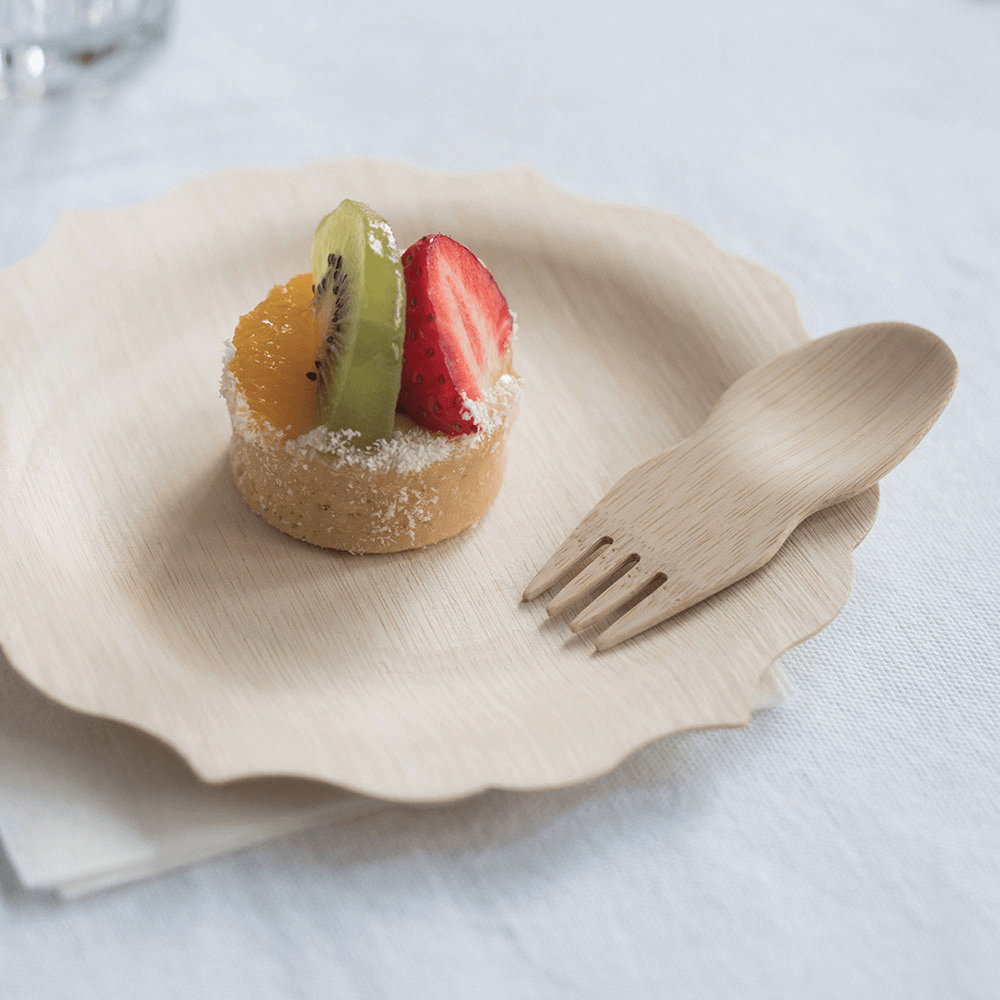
x=276, y=346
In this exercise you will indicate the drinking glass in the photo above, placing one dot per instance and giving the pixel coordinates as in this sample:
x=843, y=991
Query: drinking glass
x=54, y=46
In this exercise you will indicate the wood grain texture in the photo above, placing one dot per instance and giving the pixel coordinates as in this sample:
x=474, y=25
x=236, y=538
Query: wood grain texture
x=813, y=427
x=138, y=585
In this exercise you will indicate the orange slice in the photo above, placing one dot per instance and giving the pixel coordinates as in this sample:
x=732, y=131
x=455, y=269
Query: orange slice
x=276, y=347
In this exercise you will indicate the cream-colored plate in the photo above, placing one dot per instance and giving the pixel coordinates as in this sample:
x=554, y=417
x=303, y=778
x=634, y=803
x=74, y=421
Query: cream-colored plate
x=136, y=584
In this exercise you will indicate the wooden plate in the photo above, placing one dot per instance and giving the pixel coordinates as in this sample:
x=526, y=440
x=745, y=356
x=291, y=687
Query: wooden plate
x=138, y=585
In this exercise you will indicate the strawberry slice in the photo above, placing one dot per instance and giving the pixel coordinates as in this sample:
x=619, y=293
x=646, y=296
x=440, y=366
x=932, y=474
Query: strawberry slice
x=458, y=329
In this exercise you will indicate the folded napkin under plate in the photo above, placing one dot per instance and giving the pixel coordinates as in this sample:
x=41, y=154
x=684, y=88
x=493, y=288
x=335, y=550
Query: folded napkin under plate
x=88, y=804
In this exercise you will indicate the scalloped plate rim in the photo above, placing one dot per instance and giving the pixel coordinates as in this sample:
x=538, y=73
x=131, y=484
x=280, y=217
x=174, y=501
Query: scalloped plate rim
x=626, y=747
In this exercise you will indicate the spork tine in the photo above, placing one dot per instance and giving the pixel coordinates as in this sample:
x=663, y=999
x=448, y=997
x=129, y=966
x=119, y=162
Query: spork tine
x=808, y=429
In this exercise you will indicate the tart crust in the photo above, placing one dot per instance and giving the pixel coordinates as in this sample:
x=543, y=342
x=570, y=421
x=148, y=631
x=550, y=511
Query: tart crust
x=415, y=490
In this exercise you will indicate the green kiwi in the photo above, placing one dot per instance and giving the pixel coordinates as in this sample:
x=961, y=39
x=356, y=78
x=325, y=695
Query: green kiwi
x=358, y=303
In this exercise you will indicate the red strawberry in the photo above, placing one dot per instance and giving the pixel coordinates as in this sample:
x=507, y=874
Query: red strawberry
x=458, y=328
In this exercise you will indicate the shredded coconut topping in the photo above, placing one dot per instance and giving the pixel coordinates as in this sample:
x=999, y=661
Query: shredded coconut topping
x=410, y=449
x=407, y=450
x=490, y=410
x=390, y=249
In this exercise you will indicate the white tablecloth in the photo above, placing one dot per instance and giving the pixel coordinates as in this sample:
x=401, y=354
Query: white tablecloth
x=847, y=843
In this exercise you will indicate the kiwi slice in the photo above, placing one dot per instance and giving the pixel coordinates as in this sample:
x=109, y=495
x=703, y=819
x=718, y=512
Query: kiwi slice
x=358, y=303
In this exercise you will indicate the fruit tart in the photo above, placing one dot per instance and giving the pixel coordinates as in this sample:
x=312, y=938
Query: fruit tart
x=372, y=400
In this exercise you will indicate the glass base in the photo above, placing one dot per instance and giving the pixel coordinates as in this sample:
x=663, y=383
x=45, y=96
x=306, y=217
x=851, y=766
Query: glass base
x=45, y=63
